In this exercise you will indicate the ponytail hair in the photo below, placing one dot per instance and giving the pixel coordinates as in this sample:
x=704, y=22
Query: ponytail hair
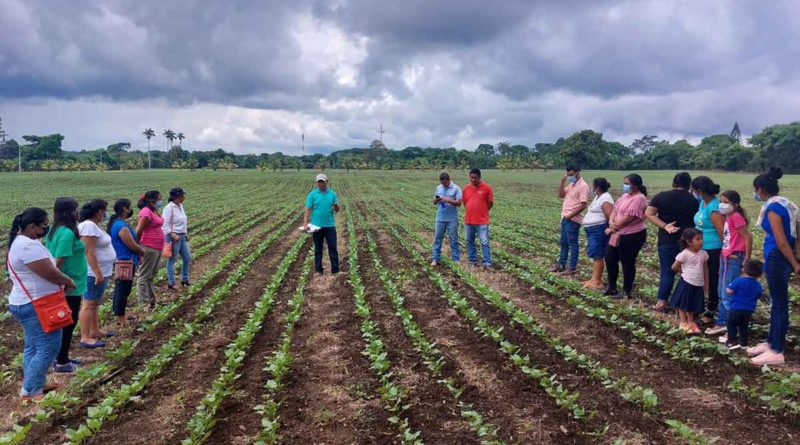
x=31, y=215
x=144, y=200
x=64, y=215
x=734, y=197
x=91, y=208
x=705, y=185
x=688, y=235
x=638, y=182
x=119, y=206
x=602, y=184
x=768, y=181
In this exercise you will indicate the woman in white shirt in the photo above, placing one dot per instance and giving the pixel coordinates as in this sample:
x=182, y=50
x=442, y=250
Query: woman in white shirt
x=100, y=256
x=34, y=275
x=176, y=230
x=595, y=224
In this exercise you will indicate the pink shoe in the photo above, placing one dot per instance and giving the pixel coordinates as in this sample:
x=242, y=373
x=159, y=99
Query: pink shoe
x=758, y=349
x=769, y=357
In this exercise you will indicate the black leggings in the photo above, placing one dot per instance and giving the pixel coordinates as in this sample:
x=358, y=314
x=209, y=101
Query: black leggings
x=626, y=252
x=74, y=302
x=122, y=290
x=713, y=280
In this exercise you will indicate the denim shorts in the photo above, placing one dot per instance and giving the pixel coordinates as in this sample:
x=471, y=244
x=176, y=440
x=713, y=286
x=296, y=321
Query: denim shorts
x=94, y=292
x=596, y=241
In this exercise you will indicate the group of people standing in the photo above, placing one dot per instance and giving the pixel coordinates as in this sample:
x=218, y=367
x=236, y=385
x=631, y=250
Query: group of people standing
x=74, y=253
x=704, y=235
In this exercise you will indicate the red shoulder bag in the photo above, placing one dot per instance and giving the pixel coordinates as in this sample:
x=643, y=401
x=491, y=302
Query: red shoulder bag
x=52, y=309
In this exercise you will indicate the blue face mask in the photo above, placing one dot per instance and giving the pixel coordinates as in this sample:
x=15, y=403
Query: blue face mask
x=572, y=179
x=626, y=188
x=159, y=204
x=757, y=197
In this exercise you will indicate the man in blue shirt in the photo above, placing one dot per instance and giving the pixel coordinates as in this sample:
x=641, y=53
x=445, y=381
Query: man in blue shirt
x=447, y=199
x=321, y=203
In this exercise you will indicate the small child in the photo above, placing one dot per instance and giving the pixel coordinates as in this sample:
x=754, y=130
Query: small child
x=689, y=294
x=745, y=292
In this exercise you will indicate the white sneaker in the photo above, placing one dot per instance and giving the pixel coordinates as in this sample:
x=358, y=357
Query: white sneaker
x=434, y=263
x=758, y=349
x=770, y=358
x=714, y=330
x=723, y=339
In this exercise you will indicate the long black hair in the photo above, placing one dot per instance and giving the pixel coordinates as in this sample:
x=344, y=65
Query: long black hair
x=31, y=215
x=706, y=185
x=734, y=197
x=637, y=181
x=65, y=214
x=144, y=200
x=119, y=206
x=769, y=181
x=91, y=208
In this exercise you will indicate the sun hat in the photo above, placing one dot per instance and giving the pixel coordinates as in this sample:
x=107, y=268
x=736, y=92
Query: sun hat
x=322, y=177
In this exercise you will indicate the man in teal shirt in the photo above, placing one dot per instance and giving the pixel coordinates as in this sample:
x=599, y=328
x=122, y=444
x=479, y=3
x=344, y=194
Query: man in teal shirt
x=321, y=203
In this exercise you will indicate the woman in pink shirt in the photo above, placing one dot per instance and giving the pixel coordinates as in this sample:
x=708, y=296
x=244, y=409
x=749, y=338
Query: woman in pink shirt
x=737, y=243
x=628, y=234
x=151, y=238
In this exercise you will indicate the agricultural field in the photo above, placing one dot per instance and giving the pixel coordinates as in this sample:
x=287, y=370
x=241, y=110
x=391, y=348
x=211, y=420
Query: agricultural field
x=259, y=349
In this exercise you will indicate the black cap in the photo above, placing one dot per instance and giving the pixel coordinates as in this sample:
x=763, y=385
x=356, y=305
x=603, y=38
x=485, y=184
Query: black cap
x=176, y=192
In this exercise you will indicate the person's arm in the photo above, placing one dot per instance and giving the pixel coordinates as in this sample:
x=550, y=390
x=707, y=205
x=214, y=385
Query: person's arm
x=127, y=239
x=611, y=219
x=491, y=198
x=336, y=207
x=729, y=291
x=60, y=261
x=651, y=213
x=577, y=211
x=705, y=277
x=143, y=222
x=676, y=266
x=744, y=232
x=562, y=191
x=91, y=257
x=45, y=269
x=776, y=222
x=607, y=209
x=306, y=215
x=719, y=223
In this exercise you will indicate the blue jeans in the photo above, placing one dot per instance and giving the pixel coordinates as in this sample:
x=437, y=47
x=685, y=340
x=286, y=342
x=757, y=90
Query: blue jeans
x=40, y=349
x=451, y=229
x=778, y=272
x=729, y=269
x=570, y=232
x=666, y=257
x=482, y=230
x=179, y=247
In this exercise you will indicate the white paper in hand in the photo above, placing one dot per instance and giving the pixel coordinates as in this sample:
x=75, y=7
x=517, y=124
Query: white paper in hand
x=311, y=228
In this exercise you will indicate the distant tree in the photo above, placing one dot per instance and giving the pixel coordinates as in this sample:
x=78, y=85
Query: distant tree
x=149, y=134
x=485, y=150
x=585, y=148
x=180, y=138
x=644, y=143
x=736, y=134
x=170, y=135
x=504, y=148
x=779, y=145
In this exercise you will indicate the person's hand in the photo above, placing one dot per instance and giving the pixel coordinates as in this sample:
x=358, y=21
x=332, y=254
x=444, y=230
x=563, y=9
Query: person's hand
x=797, y=270
x=186, y=237
x=564, y=178
x=608, y=232
x=98, y=280
x=671, y=228
x=705, y=289
x=174, y=236
x=69, y=285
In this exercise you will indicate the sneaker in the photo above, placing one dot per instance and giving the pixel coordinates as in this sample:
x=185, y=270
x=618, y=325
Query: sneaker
x=36, y=398
x=487, y=265
x=714, y=330
x=769, y=357
x=68, y=368
x=556, y=268
x=758, y=349
x=732, y=346
x=434, y=263
x=723, y=339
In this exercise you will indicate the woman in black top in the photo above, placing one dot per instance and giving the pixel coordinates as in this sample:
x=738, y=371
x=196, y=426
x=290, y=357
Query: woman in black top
x=671, y=211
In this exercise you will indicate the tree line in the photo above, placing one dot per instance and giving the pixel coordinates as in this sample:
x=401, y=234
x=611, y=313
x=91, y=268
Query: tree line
x=774, y=145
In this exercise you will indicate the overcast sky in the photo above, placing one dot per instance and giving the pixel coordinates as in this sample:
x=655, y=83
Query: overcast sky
x=251, y=76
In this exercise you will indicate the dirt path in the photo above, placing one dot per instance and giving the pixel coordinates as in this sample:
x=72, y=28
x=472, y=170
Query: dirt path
x=331, y=394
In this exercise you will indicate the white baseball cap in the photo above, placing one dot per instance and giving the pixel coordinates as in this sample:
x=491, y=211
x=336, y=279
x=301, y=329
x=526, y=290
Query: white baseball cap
x=322, y=177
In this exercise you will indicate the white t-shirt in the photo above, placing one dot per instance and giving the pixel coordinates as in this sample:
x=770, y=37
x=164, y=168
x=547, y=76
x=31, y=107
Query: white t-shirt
x=102, y=247
x=595, y=215
x=175, y=217
x=24, y=251
x=693, y=266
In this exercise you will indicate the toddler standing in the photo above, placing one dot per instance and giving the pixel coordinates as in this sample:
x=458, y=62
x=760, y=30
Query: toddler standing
x=744, y=292
x=689, y=294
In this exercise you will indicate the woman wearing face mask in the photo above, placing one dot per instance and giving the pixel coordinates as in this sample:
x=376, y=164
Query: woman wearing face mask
x=64, y=243
x=100, y=258
x=710, y=221
x=737, y=244
x=127, y=249
x=151, y=238
x=595, y=224
x=778, y=218
x=34, y=275
x=628, y=235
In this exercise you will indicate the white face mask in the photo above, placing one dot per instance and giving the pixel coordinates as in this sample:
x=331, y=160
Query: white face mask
x=725, y=208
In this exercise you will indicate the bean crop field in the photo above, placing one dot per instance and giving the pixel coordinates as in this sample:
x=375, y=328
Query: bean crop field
x=261, y=350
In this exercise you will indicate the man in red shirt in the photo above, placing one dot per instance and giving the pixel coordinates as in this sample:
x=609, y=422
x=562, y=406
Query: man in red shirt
x=478, y=198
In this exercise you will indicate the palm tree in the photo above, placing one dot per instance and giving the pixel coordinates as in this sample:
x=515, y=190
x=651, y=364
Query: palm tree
x=170, y=135
x=149, y=133
x=180, y=138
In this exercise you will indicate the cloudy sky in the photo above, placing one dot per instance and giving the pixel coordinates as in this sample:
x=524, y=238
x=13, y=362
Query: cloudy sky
x=251, y=76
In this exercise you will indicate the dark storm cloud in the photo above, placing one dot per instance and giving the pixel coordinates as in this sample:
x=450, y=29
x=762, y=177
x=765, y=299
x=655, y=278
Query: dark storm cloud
x=253, y=73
